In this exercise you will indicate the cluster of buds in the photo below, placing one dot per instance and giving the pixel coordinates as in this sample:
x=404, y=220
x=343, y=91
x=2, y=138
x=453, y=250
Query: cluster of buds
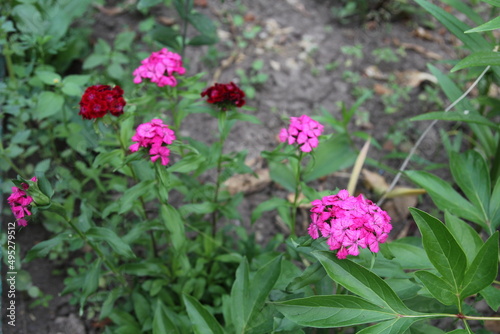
x=349, y=223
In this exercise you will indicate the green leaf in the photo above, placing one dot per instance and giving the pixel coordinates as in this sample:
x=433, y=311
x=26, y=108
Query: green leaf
x=108, y=305
x=268, y=205
x=480, y=58
x=283, y=175
x=470, y=172
x=492, y=297
x=198, y=208
x=71, y=89
x=456, y=116
x=442, y=248
x=188, y=163
x=445, y=197
x=174, y=224
x=333, y=311
x=465, y=235
x=150, y=268
x=91, y=281
x=490, y=25
x=48, y=77
x=456, y=27
x=248, y=296
x=49, y=104
x=161, y=321
x=495, y=206
x=330, y=156
x=438, y=287
x=145, y=4
x=483, y=270
x=43, y=248
x=396, y=326
x=95, y=60
x=409, y=256
x=110, y=237
x=203, y=322
x=313, y=274
x=131, y=196
x=124, y=40
x=362, y=282
x=142, y=307
x=203, y=24
x=495, y=3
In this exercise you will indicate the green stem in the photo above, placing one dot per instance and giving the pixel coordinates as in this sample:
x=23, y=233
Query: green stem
x=217, y=182
x=184, y=26
x=495, y=167
x=8, y=62
x=297, y=193
x=97, y=250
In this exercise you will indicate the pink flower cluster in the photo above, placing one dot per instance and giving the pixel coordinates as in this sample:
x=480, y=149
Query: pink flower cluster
x=349, y=223
x=153, y=135
x=302, y=130
x=19, y=202
x=156, y=65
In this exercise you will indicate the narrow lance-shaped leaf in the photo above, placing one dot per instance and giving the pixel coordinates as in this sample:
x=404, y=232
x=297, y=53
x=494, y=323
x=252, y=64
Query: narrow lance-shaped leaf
x=484, y=268
x=161, y=322
x=362, y=282
x=441, y=248
x=333, y=311
x=202, y=321
x=490, y=25
x=480, y=58
x=396, y=326
x=438, y=287
x=465, y=235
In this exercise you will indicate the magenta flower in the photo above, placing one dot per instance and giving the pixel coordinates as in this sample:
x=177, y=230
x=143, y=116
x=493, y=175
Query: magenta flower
x=349, y=223
x=154, y=135
x=160, y=67
x=303, y=131
x=19, y=203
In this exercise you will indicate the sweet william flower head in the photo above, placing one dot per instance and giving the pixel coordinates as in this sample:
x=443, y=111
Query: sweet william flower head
x=225, y=95
x=154, y=135
x=98, y=100
x=349, y=223
x=302, y=131
x=160, y=68
x=20, y=202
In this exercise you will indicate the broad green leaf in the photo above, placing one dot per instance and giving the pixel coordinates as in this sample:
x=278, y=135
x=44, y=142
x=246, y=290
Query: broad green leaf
x=161, y=321
x=131, y=196
x=470, y=172
x=362, y=282
x=248, y=296
x=91, y=281
x=442, y=248
x=203, y=322
x=490, y=25
x=187, y=164
x=108, y=305
x=49, y=104
x=113, y=240
x=492, y=297
x=456, y=116
x=149, y=268
x=333, y=311
x=438, y=287
x=456, y=27
x=142, y=308
x=495, y=206
x=409, y=256
x=404, y=288
x=175, y=225
x=48, y=77
x=283, y=175
x=268, y=205
x=445, y=197
x=330, y=156
x=314, y=273
x=395, y=326
x=480, y=58
x=42, y=248
x=483, y=270
x=197, y=208
x=465, y=235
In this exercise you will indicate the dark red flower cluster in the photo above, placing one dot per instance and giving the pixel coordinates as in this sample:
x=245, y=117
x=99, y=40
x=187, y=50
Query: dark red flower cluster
x=99, y=99
x=225, y=95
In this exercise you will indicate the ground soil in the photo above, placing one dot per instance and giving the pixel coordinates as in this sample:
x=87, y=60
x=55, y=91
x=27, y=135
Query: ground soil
x=298, y=42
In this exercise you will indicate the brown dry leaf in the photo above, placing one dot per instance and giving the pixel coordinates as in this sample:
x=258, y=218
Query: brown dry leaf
x=374, y=72
x=380, y=89
x=249, y=17
x=375, y=182
x=414, y=78
x=423, y=34
x=404, y=191
x=201, y=3
x=248, y=183
x=418, y=48
x=168, y=21
x=110, y=11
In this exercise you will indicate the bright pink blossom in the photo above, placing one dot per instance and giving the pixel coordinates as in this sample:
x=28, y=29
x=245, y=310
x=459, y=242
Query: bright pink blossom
x=349, y=223
x=160, y=67
x=19, y=203
x=154, y=135
x=303, y=131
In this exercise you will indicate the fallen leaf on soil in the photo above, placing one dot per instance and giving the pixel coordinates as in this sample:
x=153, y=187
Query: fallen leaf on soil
x=380, y=89
x=423, y=34
x=374, y=72
x=110, y=11
x=168, y=21
x=248, y=183
x=249, y=17
x=414, y=78
x=375, y=182
x=419, y=49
